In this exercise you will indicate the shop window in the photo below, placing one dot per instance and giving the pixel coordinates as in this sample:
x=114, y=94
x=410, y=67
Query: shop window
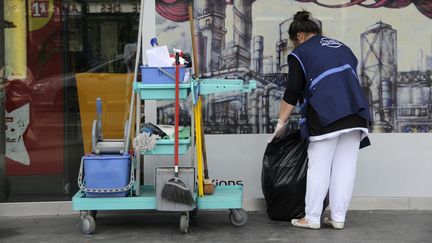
x=59, y=58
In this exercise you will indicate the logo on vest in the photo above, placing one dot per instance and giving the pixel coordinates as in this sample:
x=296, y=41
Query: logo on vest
x=330, y=43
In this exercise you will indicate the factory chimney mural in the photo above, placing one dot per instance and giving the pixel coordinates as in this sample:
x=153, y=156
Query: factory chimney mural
x=248, y=39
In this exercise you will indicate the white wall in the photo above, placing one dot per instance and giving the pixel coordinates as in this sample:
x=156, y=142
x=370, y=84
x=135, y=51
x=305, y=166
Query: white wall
x=397, y=165
x=394, y=173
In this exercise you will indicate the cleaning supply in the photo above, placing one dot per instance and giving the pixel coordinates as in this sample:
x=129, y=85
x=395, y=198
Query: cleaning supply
x=175, y=189
x=197, y=107
x=149, y=127
x=207, y=182
x=145, y=141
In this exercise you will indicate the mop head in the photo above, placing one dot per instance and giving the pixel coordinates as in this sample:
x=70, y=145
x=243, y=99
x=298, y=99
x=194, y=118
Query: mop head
x=144, y=141
x=176, y=190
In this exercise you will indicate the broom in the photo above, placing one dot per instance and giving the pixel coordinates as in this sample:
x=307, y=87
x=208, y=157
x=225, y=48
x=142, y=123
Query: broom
x=175, y=189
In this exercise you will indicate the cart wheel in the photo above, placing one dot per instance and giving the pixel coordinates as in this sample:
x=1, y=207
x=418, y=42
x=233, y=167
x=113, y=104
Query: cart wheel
x=88, y=225
x=184, y=223
x=92, y=213
x=238, y=217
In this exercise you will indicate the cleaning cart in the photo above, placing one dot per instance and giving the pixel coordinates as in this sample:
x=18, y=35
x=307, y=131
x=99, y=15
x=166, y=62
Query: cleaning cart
x=134, y=195
x=127, y=192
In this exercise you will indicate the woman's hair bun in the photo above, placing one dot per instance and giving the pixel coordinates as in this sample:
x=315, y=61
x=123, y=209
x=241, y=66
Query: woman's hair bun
x=303, y=22
x=302, y=16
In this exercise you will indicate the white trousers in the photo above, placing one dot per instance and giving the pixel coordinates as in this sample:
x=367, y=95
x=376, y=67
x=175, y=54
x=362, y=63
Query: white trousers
x=332, y=166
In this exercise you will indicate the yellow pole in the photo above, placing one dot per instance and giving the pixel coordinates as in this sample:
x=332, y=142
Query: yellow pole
x=15, y=40
x=197, y=114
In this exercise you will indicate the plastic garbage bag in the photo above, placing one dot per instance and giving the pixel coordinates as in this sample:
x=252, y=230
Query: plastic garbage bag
x=283, y=177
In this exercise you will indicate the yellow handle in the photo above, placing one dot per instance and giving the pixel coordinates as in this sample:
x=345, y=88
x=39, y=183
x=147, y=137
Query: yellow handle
x=197, y=114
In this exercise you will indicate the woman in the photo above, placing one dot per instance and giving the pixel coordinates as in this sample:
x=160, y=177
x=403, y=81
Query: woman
x=335, y=118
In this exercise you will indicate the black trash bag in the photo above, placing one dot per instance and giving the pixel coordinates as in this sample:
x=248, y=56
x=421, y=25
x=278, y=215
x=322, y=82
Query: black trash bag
x=283, y=177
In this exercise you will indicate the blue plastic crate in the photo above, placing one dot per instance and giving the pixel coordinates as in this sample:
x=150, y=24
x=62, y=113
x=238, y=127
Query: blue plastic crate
x=152, y=75
x=106, y=172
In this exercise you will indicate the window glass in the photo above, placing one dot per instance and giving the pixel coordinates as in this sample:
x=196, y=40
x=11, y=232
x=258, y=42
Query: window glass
x=60, y=56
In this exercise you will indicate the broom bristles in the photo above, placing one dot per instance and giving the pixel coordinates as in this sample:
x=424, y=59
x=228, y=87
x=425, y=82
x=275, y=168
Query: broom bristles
x=176, y=190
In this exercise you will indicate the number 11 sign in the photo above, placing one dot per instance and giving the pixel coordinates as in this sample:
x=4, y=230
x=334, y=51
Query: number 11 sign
x=39, y=8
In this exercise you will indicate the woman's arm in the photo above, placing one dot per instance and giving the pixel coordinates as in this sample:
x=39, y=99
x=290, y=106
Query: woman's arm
x=294, y=87
x=285, y=111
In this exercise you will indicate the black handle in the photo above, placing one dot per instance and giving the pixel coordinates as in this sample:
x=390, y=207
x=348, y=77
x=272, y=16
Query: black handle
x=177, y=58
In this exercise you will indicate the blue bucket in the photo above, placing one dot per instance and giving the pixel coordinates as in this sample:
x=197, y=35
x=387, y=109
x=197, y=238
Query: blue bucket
x=106, y=172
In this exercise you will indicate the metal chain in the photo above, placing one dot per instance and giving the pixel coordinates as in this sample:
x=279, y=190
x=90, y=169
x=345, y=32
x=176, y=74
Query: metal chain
x=105, y=190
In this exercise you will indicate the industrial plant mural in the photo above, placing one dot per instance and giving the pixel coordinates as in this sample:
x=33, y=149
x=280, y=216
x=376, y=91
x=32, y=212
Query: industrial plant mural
x=248, y=39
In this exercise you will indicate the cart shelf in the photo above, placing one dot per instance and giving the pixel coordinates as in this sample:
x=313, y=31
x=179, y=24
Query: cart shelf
x=161, y=91
x=146, y=200
x=212, y=86
x=166, y=147
x=206, y=86
x=223, y=197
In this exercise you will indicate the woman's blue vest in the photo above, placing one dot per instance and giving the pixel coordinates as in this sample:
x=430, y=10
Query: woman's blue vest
x=333, y=88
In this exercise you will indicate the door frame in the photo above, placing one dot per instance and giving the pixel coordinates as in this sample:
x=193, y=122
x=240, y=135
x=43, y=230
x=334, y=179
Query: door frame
x=2, y=111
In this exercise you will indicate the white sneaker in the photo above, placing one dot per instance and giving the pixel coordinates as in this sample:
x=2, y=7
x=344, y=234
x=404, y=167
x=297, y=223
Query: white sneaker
x=336, y=225
x=296, y=223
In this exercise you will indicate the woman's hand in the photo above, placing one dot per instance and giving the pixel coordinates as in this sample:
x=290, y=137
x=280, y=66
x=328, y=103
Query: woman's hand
x=279, y=130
